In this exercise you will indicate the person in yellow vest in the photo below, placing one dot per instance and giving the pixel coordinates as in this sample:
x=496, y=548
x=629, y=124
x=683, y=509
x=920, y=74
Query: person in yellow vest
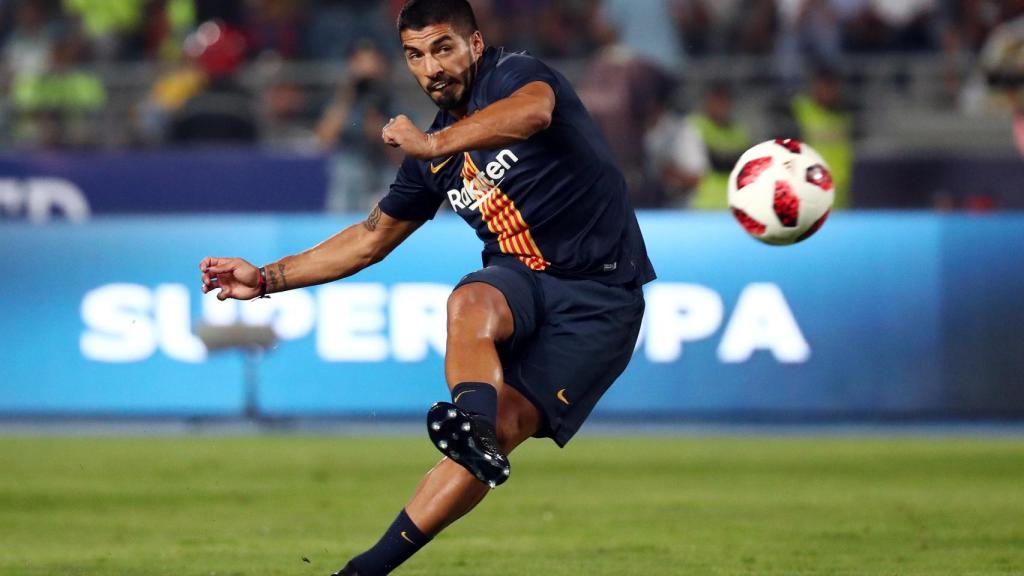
x=826, y=125
x=689, y=158
x=724, y=141
x=59, y=106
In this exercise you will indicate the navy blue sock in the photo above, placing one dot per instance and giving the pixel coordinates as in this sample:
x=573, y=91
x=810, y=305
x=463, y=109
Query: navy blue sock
x=477, y=398
x=399, y=543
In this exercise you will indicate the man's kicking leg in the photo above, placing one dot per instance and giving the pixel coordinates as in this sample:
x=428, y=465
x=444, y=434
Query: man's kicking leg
x=449, y=491
x=478, y=318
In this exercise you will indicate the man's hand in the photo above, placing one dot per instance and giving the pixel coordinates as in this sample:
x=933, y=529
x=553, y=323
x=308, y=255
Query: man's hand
x=400, y=132
x=235, y=278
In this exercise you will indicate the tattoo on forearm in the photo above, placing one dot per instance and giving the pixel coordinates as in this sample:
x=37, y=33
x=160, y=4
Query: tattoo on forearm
x=272, y=281
x=277, y=281
x=373, y=219
x=284, y=278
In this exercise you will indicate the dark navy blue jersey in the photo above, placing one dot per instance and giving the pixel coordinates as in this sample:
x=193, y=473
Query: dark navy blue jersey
x=555, y=202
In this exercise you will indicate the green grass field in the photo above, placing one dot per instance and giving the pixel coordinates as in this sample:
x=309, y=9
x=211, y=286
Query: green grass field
x=264, y=506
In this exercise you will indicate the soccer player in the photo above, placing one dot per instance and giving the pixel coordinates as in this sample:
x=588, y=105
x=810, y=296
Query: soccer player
x=540, y=333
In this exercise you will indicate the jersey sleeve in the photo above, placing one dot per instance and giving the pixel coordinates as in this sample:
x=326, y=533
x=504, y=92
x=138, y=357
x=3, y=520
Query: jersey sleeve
x=409, y=197
x=515, y=70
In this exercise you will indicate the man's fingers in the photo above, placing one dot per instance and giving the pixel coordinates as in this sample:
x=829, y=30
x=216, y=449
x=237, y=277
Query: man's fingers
x=217, y=270
x=218, y=265
x=208, y=263
x=218, y=274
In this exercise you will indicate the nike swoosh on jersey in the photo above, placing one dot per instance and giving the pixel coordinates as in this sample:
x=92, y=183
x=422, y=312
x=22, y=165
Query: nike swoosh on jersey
x=407, y=539
x=439, y=167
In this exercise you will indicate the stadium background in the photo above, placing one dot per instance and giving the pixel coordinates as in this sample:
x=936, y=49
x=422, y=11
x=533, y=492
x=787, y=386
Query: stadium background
x=140, y=135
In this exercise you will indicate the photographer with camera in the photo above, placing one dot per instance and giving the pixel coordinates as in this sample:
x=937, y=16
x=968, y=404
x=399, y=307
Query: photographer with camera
x=360, y=169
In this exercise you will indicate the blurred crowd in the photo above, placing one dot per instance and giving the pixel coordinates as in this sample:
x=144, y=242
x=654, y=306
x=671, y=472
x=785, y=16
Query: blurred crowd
x=637, y=54
x=668, y=31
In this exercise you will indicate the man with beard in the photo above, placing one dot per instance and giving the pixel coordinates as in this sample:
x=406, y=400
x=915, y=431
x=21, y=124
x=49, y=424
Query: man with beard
x=538, y=335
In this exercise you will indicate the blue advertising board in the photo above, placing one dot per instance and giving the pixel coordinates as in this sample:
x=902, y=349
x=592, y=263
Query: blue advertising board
x=887, y=314
x=43, y=186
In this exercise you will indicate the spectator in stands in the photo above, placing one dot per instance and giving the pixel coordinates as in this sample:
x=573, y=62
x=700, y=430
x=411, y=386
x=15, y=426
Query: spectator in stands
x=287, y=110
x=77, y=95
x=820, y=118
x=752, y=34
x=809, y=31
x=621, y=93
x=25, y=54
x=695, y=20
x=554, y=29
x=669, y=171
x=222, y=111
x=756, y=30
x=964, y=25
x=361, y=168
x=27, y=48
x=166, y=24
x=968, y=23
x=1002, y=63
x=562, y=30
x=889, y=25
x=276, y=26
x=711, y=143
x=50, y=100
x=106, y=24
x=621, y=86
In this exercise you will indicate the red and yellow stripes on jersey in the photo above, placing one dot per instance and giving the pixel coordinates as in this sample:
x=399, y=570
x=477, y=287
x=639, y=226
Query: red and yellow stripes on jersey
x=504, y=219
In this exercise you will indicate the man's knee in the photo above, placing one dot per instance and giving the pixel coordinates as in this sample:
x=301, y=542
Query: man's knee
x=479, y=310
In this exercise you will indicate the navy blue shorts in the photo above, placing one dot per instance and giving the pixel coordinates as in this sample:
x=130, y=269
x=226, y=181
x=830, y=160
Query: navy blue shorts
x=572, y=339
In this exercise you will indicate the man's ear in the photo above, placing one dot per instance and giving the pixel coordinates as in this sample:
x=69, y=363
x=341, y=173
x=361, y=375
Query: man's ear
x=476, y=45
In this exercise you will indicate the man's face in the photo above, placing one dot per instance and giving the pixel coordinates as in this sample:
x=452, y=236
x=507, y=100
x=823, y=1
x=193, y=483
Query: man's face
x=826, y=91
x=443, y=62
x=719, y=107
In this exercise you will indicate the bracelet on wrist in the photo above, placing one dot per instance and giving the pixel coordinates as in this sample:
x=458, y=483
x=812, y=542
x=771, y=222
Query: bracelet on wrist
x=263, y=282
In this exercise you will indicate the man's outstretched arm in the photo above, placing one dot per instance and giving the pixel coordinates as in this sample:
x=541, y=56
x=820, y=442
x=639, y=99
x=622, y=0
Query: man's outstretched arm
x=340, y=256
x=507, y=121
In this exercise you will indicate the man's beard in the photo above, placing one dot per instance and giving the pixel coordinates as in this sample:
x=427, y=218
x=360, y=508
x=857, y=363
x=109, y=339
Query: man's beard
x=447, y=102
x=452, y=101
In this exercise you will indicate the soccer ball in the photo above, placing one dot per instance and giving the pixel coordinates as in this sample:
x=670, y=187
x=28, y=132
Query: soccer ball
x=781, y=192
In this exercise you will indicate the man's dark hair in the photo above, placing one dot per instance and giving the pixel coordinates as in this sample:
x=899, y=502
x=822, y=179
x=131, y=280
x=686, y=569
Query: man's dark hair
x=418, y=14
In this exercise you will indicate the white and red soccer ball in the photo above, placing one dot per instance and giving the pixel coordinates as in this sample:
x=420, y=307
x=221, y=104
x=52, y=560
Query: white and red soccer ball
x=781, y=192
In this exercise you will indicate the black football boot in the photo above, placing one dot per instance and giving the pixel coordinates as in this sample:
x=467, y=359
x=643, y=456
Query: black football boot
x=470, y=441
